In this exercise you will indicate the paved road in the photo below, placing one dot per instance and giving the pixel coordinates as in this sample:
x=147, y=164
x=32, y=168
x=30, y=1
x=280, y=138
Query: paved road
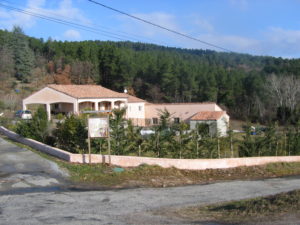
x=130, y=206
x=22, y=170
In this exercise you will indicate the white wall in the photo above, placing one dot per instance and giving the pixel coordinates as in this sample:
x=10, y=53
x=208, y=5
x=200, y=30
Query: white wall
x=136, y=110
x=223, y=125
x=220, y=126
x=212, y=125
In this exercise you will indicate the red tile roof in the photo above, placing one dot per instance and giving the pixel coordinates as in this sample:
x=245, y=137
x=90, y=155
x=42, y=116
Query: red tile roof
x=92, y=91
x=185, y=103
x=134, y=99
x=87, y=91
x=208, y=115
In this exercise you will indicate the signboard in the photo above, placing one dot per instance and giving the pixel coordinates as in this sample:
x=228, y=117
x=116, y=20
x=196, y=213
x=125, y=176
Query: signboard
x=98, y=127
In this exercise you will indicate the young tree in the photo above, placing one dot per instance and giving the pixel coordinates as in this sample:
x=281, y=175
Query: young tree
x=250, y=146
x=164, y=120
x=118, y=126
x=181, y=139
x=133, y=139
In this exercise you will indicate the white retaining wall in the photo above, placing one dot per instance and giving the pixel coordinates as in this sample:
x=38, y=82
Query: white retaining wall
x=133, y=161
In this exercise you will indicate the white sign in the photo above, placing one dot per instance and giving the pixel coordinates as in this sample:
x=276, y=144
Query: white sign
x=98, y=127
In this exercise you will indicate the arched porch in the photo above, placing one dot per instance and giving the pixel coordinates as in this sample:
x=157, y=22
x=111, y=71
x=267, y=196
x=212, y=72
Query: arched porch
x=86, y=105
x=120, y=104
x=51, y=108
x=105, y=105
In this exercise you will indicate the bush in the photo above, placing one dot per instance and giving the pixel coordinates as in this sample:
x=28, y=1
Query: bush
x=60, y=116
x=71, y=134
x=6, y=122
x=37, y=128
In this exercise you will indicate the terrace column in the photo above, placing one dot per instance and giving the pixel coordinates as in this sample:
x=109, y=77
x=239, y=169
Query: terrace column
x=48, y=109
x=112, y=105
x=96, y=106
x=75, y=107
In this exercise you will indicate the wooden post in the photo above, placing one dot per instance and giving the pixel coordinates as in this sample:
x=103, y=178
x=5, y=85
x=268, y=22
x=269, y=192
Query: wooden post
x=100, y=146
x=139, y=150
x=231, y=145
x=108, y=139
x=89, y=143
x=219, y=153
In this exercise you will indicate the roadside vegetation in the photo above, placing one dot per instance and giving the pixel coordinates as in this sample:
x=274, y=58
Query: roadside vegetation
x=168, y=140
x=250, y=211
x=155, y=176
x=105, y=176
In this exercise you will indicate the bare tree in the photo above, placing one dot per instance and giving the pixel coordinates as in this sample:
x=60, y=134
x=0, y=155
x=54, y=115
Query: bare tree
x=11, y=101
x=6, y=60
x=291, y=86
x=285, y=90
x=82, y=72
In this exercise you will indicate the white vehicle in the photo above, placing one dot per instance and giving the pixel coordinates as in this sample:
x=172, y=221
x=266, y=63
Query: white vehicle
x=24, y=114
x=147, y=132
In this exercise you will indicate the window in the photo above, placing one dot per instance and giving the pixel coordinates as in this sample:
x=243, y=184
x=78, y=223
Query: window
x=155, y=121
x=176, y=120
x=140, y=108
x=56, y=106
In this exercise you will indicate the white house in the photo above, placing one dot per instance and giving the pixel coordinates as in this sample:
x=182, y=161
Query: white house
x=218, y=121
x=77, y=98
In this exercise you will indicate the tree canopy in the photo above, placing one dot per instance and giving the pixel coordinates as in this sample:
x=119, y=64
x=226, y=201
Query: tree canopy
x=155, y=73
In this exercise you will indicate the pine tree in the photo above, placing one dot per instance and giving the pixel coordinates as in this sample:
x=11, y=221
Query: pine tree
x=23, y=55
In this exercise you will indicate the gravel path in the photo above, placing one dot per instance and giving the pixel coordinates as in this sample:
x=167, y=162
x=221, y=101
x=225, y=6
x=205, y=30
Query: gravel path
x=130, y=206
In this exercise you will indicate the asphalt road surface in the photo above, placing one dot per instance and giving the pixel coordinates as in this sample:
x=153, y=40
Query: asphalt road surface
x=34, y=191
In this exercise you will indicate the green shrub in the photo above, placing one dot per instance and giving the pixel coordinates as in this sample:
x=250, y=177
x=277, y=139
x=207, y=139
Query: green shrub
x=60, y=116
x=37, y=128
x=71, y=134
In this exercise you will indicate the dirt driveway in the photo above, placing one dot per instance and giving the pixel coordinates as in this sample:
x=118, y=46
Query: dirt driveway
x=128, y=206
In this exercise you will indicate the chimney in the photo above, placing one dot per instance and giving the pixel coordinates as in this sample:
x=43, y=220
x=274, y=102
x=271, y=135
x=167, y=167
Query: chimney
x=125, y=90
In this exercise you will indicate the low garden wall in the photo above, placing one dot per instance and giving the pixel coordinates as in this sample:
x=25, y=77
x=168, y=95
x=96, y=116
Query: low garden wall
x=133, y=161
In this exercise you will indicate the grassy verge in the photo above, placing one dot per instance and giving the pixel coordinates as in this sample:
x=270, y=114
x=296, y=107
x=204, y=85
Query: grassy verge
x=155, y=176
x=272, y=208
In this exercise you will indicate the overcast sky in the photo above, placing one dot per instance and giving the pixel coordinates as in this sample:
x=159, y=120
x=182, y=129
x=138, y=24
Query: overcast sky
x=258, y=27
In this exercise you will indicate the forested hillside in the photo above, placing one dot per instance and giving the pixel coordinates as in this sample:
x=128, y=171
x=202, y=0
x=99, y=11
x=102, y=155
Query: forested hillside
x=249, y=87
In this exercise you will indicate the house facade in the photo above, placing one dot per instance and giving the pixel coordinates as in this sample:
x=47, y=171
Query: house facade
x=217, y=121
x=78, y=98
